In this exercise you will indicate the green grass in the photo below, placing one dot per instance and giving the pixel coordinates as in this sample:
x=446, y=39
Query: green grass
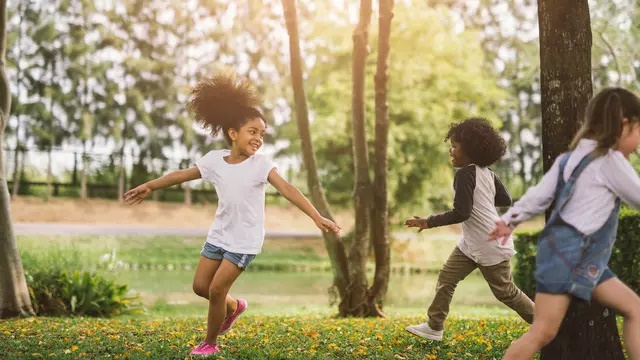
x=256, y=337
x=169, y=293
x=183, y=252
x=163, y=250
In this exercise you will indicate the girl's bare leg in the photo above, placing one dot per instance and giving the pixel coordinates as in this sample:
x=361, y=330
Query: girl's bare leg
x=549, y=310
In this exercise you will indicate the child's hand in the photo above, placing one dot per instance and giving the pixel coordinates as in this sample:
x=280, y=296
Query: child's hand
x=501, y=232
x=135, y=196
x=325, y=225
x=418, y=222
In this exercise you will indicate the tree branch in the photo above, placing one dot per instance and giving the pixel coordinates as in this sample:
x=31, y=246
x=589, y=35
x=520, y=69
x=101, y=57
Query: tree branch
x=613, y=54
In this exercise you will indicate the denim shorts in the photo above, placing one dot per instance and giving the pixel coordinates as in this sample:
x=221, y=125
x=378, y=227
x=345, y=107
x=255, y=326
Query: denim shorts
x=569, y=264
x=217, y=253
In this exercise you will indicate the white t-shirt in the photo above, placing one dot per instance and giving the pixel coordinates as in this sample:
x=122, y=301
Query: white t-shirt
x=239, y=222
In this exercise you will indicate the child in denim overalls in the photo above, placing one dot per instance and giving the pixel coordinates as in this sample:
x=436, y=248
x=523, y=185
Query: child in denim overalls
x=588, y=184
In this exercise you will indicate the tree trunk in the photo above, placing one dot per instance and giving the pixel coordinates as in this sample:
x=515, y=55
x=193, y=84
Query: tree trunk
x=83, y=176
x=565, y=69
x=356, y=303
x=187, y=194
x=121, y=177
x=16, y=156
x=16, y=171
x=380, y=226
x=49, y=173
x=51, y=141
x=14, y=295
x=333, y=243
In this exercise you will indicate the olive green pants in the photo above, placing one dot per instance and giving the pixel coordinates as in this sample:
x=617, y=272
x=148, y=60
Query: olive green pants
x=498, y=276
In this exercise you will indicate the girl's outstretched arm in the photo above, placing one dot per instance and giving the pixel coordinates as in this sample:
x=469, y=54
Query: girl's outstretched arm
x=536, y=200
x=138, y=194
x=294, y=195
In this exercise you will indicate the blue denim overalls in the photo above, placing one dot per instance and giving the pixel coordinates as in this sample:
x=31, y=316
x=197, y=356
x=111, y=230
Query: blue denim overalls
x=568, y=261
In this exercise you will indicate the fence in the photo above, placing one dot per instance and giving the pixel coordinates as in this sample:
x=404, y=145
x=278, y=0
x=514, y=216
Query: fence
x=106, y=175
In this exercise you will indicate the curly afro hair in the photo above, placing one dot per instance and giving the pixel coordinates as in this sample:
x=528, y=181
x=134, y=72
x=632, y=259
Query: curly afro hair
x=222, y=102
x=479, y=140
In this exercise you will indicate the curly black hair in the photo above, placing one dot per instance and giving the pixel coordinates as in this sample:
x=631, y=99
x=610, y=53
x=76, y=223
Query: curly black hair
x=480, y=141
x=224, y=101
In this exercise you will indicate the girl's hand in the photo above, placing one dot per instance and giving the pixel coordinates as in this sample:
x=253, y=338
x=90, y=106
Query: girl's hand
x=418, y=222
x=137, y=195
x=325, y=225
x=501, y=232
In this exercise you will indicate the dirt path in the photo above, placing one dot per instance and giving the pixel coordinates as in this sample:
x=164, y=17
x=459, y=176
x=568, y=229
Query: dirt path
x=110, y=214
x=32, y=228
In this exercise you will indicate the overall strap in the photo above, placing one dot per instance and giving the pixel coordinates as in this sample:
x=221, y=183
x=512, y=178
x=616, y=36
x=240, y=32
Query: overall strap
x=564, y=190
x=560, y=183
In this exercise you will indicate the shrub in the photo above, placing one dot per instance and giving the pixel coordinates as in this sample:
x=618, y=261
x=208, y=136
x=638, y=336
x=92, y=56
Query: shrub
x=58, y=286
x=625, y=258
x=525, y=259
x=62, y=292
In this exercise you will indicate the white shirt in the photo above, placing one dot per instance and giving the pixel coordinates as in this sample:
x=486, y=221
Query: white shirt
x=477, y=193
x=601, y=182
x=239, y=222
x=473, y=242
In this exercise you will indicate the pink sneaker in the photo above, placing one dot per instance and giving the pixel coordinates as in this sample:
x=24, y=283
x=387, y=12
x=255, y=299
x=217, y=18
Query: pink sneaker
x=205, y=349
x=229, y=320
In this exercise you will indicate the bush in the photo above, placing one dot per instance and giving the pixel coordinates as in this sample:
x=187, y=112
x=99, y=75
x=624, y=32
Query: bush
x=58, y=286
x=62, y=292
x=525, y=259
x=625, y=258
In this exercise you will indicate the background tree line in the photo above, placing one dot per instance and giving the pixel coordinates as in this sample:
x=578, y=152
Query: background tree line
x=116, y=76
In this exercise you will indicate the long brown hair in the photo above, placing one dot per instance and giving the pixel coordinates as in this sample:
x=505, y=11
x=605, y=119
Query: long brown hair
x=604, y=117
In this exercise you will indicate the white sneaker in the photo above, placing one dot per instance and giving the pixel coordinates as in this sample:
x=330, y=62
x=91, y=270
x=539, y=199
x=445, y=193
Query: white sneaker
x=424, y=331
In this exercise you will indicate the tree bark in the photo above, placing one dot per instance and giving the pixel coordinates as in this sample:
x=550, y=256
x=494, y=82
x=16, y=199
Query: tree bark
x=565, y=72
x=335, y=246
x=380, y=226
x=14, y=295
x=357, y=301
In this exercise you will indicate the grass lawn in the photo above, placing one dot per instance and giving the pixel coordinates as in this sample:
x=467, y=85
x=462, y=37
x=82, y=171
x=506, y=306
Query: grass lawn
x=183, y=252
x=256, y=337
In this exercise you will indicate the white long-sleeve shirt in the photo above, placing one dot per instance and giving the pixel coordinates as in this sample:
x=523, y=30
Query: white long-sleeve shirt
x=607, y=177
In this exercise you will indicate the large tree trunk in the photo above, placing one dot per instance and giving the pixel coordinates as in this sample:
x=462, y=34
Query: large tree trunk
x=333, y=243
x=588, y=332
x=380, y=226
x=14, y=295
